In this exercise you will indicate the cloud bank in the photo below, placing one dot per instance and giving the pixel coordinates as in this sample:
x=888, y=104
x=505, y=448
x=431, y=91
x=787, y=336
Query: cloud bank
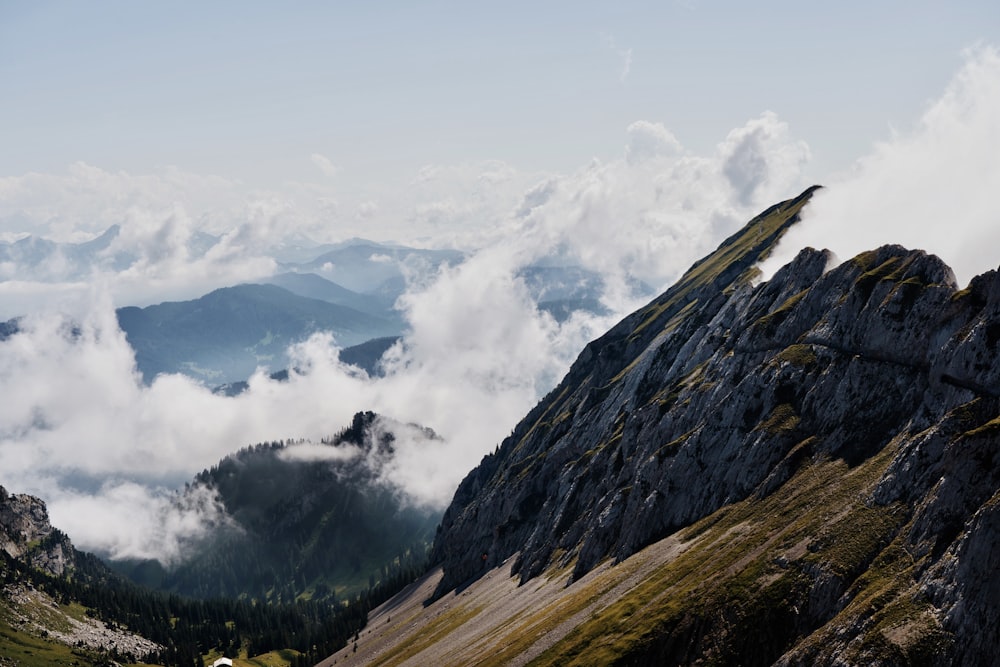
x=933, y=187
x=105, y=451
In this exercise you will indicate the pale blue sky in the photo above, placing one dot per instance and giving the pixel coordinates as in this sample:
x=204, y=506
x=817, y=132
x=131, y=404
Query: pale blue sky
x=249, y=90
x=258, y=122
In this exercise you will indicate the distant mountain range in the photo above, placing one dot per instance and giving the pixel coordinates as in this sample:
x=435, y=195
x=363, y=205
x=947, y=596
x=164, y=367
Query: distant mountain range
x=227, y=334
x=312, y=286
x=224, y=336
x=375, y=268
x=349, y=289
x=43, y=260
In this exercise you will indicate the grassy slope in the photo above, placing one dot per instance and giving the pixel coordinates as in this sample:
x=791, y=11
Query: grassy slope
x=25, y=646
x=22, y=646
x=745, y=571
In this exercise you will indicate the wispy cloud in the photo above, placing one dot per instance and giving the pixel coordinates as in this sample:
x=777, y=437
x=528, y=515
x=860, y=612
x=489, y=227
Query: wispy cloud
x=324, y=164
x=625, y=55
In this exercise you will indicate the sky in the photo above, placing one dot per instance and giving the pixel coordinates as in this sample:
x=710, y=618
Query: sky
x=250, y=91
x=627, y=138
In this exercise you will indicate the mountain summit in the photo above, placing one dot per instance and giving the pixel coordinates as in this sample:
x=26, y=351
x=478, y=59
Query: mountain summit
x=563, y=465
x=796, y=472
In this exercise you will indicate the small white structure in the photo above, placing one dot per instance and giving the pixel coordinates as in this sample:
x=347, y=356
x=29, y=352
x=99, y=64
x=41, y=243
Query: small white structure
x=223, y=661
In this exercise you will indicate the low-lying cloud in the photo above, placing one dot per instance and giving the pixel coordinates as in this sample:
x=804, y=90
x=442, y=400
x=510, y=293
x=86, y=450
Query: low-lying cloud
x=132, y=521
x=82, y=431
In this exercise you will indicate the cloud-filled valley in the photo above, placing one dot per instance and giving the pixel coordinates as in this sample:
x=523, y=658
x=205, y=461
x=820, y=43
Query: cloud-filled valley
x=79, y=428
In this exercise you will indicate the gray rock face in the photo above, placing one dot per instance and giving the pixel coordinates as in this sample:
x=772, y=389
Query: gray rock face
x=719, y=390
x=26, y=534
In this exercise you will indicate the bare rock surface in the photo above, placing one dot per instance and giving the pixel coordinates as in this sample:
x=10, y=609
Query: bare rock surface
x=721, y=391
x=25, y=533
x=44, y=617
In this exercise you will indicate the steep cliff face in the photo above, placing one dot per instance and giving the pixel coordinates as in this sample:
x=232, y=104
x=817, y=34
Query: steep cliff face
x=27, y=535
x=560, y=467
x=858, y=405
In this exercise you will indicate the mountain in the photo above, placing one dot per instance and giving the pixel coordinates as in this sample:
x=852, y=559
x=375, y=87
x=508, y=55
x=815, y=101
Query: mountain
x=59, y=606
x=44, y=260
x=801, y=471
x=226, y=334
x=38, y=623
x=367, y=267
x=41, y=259
x=27, y=535
x=308, y=520
x=367, y=356
x=9, y=328
x=313, y=286
x=563, y=309
x=590, y=409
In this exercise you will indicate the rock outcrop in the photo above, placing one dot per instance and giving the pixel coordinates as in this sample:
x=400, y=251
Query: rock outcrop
x=722, y=392
x=27, y=535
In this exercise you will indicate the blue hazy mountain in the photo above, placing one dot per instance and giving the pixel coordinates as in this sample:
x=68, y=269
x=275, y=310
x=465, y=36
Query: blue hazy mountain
x=40, y=259
x=364, y=266
x=227, y=334
x=313, y=286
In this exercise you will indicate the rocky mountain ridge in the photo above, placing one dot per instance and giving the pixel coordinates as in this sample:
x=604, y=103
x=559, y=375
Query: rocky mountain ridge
x=30, y=614
x=27, y=535
x=724, y=396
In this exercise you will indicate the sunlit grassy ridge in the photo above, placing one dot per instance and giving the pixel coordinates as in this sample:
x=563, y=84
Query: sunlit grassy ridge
x=733, y=588
x=733, y=263
x=748, y=571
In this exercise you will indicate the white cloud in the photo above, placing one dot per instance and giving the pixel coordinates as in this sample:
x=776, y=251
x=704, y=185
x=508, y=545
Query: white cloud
x=475, y=359
x=650, y=140
x=126, y=520
x=324, y=164
x=160, y=218
x=934, y=187
x=626, y=64
x=428, y=172
x=537, y=196
x=86, y=199
x=759, y=157
x=624, y=54
x=367, y=209
x=317, y=451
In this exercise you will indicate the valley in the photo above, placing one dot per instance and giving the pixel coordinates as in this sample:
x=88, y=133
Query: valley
x=499, y=334
x=784, y=472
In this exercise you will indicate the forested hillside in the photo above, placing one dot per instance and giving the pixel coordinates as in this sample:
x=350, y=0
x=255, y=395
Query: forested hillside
x=317, y=529
x=62, y=606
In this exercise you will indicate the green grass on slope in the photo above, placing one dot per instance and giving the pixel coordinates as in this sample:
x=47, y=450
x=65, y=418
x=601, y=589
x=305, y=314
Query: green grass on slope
x=670, y=309
x=737, y=588
x=765, y=230
x=22, y=647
